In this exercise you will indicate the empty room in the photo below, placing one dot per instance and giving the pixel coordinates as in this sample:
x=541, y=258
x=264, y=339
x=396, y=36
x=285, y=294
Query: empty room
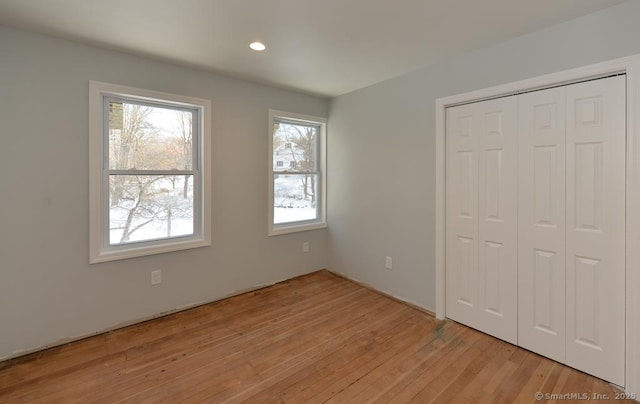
x=319, y=201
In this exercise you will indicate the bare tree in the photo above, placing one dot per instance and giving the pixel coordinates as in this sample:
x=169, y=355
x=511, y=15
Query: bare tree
x=185, y=129
x=137, y=191
x=139, y=200
x=300, y=145
x=125, y=144
x=306, y=141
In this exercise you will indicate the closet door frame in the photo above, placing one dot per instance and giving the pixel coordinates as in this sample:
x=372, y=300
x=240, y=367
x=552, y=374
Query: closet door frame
x=629, y=66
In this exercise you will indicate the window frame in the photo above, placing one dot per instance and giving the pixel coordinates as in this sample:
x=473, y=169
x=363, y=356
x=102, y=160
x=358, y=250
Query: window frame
x=321, y=162
x=99, y=248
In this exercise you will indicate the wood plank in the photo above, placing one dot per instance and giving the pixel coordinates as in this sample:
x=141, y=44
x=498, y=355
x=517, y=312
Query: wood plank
x=316, y=338
x=430, y=372
x=465, y=377
x=374, y=352
x=437, y=385
x=508, y=391
x=157, y=366
x=535, y=382
x=325, y=361
x=258, y=356
x=371, y=386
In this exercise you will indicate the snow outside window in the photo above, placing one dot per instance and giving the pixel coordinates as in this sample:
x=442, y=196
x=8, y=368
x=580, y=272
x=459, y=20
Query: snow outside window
x=148, y=169
x=296, y=173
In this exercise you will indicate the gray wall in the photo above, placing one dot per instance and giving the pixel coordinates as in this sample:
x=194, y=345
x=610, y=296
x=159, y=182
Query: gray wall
x=48, y=291
x=382, y=139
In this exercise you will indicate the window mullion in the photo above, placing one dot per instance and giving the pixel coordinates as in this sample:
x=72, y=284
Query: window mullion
x=296, y=172
x=152, y=172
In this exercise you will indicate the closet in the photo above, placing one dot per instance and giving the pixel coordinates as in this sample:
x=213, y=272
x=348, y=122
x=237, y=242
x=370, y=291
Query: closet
x=535, y=222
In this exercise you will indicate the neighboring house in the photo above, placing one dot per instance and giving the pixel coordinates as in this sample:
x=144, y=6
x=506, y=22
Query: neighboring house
x=287, y=157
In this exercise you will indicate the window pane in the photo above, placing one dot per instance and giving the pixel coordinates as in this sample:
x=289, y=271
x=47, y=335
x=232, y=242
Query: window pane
x=294, y=147
x=146, y=137
x=294, y=197
x=149, y=207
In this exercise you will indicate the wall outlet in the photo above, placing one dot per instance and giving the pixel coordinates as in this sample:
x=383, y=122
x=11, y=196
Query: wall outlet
x=305, y=246
x=389, y=263
x=156, y=277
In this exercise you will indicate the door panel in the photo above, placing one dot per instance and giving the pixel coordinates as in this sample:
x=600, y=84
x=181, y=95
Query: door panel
x=541, y=222
x=595, y=259
x=588, y=186
x=491, y=282
x=461, y=216
x=481, y=218
x=498, y=221
x=545, y=292
x=587, y=274
x=466, y=271
x=546, y=184
x=466, y=183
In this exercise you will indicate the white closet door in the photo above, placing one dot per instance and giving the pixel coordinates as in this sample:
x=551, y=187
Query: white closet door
x=595, y=255
x=462, y=215
x=498, y=221
x=482, y=216
x=541, y=222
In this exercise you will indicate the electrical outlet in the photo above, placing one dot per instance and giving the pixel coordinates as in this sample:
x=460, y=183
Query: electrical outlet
x=389, y=263
x=156, y=277
x=305, y=246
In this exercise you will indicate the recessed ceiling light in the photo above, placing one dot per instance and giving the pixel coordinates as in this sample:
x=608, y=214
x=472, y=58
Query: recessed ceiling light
x=257, y=46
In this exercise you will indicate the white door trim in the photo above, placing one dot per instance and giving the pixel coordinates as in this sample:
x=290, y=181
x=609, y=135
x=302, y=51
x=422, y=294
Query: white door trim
x=630, y=66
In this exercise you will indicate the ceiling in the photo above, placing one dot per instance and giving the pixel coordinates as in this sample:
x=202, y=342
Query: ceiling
x=323, y=47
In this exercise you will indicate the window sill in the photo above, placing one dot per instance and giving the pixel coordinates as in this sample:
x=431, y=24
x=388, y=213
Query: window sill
x=115, y=254
x=286, y=228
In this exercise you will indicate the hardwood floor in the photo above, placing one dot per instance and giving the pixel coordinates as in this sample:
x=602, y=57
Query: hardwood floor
x=314, y=339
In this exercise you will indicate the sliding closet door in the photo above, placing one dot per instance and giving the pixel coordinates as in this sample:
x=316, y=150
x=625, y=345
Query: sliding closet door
x=482, y=216
x=462, y=215
x=541, y=222
x=595, y=257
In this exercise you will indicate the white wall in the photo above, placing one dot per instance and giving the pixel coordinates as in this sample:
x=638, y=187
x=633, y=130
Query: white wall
x=48, y=291
x=382, y=139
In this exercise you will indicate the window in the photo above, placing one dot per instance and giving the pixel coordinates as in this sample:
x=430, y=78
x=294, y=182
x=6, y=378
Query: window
x=149, y=182
x=297, y=179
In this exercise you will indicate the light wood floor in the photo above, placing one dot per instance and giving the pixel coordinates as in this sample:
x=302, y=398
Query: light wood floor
x=314, y=339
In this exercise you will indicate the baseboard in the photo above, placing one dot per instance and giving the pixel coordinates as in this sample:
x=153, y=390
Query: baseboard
x=252, y=289
x=396, y=298
x=69, y=340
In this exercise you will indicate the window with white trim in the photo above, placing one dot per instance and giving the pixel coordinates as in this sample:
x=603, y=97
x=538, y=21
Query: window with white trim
x=150, y=172
x=297, y=172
